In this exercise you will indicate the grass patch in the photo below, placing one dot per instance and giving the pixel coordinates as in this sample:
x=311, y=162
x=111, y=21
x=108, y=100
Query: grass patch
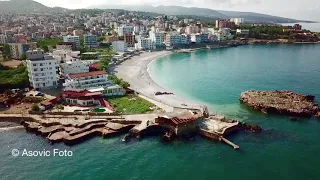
x=130, y=104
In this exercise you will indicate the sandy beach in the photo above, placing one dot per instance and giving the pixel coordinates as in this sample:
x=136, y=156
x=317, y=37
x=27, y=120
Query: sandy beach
x=135, y=71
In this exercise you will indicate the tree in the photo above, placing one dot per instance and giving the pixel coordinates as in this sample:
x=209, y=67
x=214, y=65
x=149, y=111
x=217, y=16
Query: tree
x=45, y=48
x=24, y=56
x=45, y=42
x=6, y=52
x=120, y=82
x=104, y=64
x=35, y=107
x=100, y=38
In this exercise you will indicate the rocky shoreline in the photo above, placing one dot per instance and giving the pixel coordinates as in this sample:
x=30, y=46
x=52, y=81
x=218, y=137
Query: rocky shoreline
x=281, y=102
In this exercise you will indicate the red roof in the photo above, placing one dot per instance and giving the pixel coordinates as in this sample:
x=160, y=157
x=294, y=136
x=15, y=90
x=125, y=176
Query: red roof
x=82, y=93
x=177, y=121
x=46, y=103
x=93, y=73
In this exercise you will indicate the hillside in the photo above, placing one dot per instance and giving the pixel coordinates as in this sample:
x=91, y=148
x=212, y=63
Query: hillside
x=179, y=10
x=22, y=6
x=30, y=6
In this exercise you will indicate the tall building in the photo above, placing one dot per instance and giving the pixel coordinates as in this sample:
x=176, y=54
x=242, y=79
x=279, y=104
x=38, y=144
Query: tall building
x=225, y=23
x=129, y=39
x=145, y=44
x=90, y=41
x=122, y=30
x=42, y=69
x=119, y=46
x=237, y=21
x=75, y=39
x=18, y=49
x=192, y=29
x=297, y=27
x=157, y=38
x=3, y=39
x=173, y=39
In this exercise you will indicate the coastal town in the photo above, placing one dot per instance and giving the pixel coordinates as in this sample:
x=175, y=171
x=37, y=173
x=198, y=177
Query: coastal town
x=70, y=76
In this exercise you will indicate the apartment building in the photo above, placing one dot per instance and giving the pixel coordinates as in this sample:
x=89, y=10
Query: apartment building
x=122, y=30
x=173, y=39
x=75, y=39
x=18, y=49
x=145, y=44
x=90, y=41
x=237, y=21
x=87, y=80
x=74, y=66
x=42, y=69
x=119, y=46
x=129, y=39
x=192, y=29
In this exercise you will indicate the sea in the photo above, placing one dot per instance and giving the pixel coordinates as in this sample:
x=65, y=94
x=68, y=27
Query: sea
x=285, y=149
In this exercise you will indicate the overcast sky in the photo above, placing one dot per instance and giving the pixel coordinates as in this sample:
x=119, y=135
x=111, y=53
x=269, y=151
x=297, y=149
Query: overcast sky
x=299, y=9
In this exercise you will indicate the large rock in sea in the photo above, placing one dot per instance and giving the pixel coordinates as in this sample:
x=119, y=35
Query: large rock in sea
x=281, y=102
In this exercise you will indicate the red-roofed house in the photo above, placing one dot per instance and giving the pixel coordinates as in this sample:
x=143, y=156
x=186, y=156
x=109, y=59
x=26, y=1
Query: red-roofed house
x=180, y=122
x=82, y=98
x=86, y=80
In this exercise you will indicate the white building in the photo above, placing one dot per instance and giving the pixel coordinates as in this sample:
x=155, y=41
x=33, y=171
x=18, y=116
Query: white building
x=122, y=30
x=157, y=38
x=119, y=46
x=243, y=31
x=42, y=69
x=75, y=39
x=196, y=38
x=192, y=29
x=237, y=21
x=145, y=43
x=74, y=66
x=87, y=80
x=3, y=38
x=224, y=34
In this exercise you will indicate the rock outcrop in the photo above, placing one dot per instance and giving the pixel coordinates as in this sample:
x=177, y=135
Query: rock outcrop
x=281, y=102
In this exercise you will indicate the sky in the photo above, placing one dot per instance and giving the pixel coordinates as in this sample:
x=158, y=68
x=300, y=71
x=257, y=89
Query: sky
x=298, y=9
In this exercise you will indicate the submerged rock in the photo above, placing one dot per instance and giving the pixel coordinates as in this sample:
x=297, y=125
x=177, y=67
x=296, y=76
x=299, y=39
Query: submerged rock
x=281, y=102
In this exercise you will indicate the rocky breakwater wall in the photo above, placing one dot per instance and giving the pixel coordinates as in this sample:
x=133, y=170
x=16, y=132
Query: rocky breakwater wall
x=281, y=102
x=73, y=133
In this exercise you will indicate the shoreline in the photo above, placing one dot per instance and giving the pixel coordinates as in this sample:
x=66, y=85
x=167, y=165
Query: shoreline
x=136, y=72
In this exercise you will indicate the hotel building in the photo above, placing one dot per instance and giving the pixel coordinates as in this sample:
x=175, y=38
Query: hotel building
x=42, y=69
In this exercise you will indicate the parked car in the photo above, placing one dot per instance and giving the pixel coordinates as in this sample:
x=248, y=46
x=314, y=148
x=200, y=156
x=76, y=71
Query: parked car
x=39, y=94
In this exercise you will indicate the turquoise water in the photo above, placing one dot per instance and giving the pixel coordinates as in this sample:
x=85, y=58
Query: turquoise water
x=285, y=149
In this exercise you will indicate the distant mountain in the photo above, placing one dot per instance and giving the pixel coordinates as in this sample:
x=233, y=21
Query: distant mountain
x=22, y=6
x=26, y=6
x=179, y=10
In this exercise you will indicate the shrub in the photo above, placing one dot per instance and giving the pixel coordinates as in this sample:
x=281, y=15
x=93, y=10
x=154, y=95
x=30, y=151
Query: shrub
x=35, y=107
